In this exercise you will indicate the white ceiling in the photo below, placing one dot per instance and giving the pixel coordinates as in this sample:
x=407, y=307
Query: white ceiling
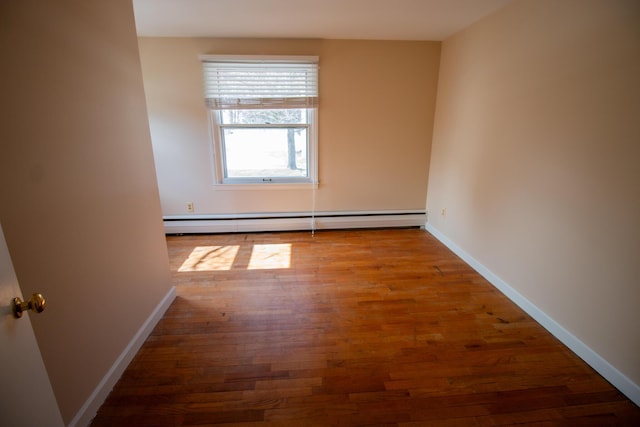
x=330, y=19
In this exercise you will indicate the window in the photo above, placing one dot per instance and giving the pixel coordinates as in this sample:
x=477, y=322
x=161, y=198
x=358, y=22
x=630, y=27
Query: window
x=263, y=115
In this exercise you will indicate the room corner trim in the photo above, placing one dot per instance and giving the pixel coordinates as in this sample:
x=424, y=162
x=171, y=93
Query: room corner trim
x=593, y=359
x=88, y=411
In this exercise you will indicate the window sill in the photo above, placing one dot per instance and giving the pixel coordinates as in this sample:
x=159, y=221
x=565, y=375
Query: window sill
x=265, y=186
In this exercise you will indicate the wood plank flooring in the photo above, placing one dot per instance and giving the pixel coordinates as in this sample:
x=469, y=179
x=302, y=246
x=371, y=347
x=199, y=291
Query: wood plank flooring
x=349, y=328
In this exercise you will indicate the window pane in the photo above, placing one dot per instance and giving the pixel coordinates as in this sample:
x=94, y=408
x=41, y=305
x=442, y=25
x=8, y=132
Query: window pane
x=265, y=152
x=260, y=117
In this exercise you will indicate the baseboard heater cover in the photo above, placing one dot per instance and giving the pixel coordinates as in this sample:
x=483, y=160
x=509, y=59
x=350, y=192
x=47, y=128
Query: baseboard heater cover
x=288, y=221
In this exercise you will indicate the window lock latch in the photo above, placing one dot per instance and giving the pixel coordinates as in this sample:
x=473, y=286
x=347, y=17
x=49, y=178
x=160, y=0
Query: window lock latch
x=266, y=179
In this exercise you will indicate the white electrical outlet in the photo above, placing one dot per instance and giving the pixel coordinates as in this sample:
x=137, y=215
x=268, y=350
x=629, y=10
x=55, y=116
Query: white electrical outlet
x=190, y=207
x=444, y=211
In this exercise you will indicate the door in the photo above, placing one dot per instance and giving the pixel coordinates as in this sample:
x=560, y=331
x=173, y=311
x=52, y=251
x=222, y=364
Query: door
x=26, y=396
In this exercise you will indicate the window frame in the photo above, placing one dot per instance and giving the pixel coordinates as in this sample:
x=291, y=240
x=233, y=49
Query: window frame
x=216, y=128
x=219, y=155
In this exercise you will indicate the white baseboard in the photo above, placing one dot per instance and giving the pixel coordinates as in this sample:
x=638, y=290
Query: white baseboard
x=96, y=399
x=602, y=366
x=244, y=223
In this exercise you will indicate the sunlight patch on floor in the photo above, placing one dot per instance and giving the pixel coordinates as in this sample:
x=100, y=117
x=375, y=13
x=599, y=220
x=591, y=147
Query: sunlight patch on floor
x=270, y=257
x=210, y=258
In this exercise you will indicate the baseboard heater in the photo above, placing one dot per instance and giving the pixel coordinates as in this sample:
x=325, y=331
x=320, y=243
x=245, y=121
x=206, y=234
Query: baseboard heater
x=287, y=221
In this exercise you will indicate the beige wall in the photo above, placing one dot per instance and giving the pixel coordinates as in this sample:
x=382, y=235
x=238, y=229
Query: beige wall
x=535, y=157
x=78, y=196
x=377, y=100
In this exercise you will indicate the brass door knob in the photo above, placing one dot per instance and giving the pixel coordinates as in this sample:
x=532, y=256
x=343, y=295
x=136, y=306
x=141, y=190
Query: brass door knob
x=36, y=303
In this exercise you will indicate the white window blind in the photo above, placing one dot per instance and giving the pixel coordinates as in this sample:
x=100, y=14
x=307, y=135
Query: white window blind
x=252, y=82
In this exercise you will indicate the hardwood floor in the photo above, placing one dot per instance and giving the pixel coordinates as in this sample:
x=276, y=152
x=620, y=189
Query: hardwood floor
x=375, y=327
